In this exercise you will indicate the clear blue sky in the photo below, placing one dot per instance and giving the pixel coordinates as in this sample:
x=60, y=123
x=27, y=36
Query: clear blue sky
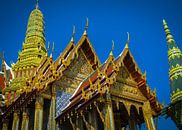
x=108, y=20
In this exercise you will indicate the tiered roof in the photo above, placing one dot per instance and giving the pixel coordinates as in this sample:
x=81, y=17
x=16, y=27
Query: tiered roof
x=97, y=83
x=34, y=45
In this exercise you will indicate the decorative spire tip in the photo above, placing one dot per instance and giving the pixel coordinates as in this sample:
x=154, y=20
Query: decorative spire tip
x=52, y=47
x=111, y=53
x=86, y=27
x=169, y=36
x=164, y=21
x=37, y=4
x=128, y=40
x=73, y=34
x=48, y=46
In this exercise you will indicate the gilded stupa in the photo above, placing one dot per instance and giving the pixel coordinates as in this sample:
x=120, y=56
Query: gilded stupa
x=31, y=55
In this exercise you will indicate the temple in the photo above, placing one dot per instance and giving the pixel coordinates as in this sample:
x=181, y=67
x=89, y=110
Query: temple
x=174, y=109
x=76, y=91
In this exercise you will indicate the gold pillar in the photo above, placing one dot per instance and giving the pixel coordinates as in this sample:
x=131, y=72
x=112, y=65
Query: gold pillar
x=38, y=121
x=25, y=121
x=15, y=121
x=109, y=116
x=52, y=112
x=147, y=113
x=5, y=125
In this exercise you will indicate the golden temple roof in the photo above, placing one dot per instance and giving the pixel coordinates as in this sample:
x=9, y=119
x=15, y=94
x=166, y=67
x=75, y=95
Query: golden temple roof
x=34, y=45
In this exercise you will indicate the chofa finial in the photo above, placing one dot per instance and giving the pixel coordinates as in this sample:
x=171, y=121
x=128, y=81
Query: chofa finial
x=112, y=45
x=52, y=50
x=128, y=40
x=73, y=34
x=52, y=47
x=111, y=53
x=86, y=27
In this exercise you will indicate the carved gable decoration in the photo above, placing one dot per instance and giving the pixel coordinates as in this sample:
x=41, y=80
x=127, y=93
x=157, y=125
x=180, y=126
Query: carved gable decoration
x=125, y=86
x=78, y=70
x=124, y=75
x=80, y=65
x=127, y=91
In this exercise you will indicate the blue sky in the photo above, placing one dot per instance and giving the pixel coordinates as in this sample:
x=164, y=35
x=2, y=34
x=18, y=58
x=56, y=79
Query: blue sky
x=108, y=20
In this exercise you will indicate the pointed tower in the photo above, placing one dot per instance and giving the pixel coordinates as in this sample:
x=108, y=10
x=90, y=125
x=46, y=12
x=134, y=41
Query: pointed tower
x=31, y=55
x=33, y=49
x=174, y=110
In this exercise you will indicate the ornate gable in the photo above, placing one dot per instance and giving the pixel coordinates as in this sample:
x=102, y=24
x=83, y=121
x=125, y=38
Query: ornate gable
x=86, y=46
x=76, y=72
x=126, y=87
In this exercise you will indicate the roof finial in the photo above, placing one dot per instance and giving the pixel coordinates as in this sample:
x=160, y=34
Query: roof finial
x=128, y=40
x=111, y=53
x=86, y=27
x=48, y=46
x=52, y=47
x=169, y=37
x=73, y=34
x=52, y=50
x=37, y=4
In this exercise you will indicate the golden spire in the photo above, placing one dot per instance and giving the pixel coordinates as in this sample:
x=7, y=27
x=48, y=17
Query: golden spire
x=111, y=52
x=128, y=40
x=34, y=43
x=37, y=4
x=86, y=27
x=169, y=37
x=73, y=34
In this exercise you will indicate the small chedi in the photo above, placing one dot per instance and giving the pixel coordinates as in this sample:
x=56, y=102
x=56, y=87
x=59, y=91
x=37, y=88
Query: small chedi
x=76, y=91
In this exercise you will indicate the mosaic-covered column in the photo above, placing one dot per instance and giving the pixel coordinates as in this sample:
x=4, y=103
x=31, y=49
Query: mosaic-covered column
x=147, y=113
x=38, y=121
x=109, y=116
x=16, y=121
